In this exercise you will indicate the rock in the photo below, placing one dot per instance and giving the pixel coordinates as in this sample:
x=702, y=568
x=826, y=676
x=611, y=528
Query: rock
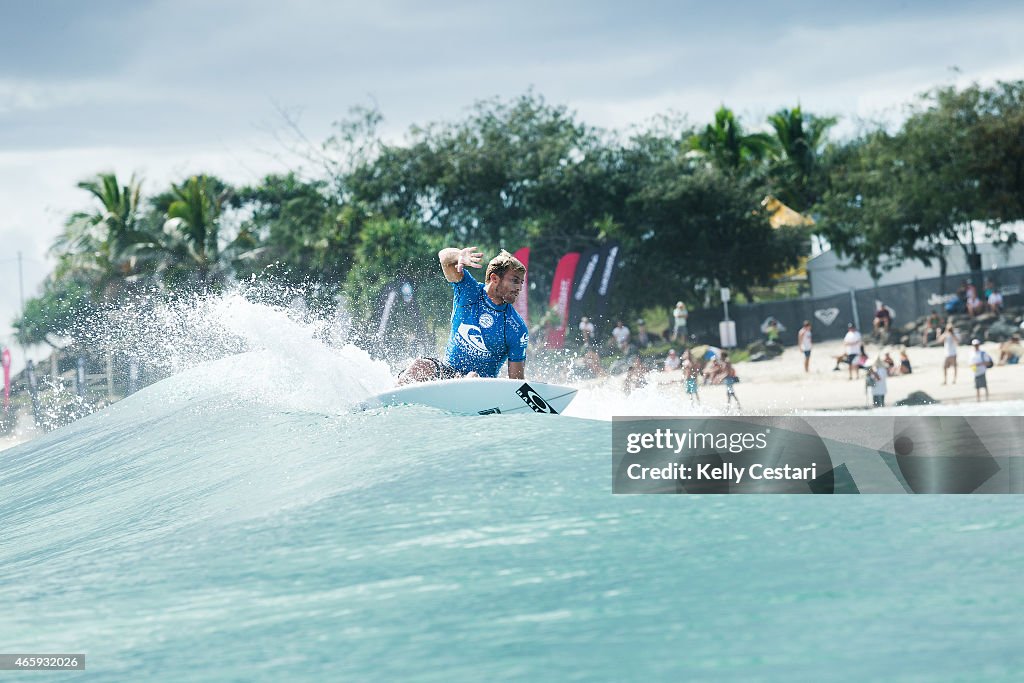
x=1000, y=331
x=917, y=398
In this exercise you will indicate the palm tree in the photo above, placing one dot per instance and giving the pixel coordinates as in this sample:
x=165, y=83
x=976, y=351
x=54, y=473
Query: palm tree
x=192, y=228
x=799, y=139
x=728, y=147
x=103, y=247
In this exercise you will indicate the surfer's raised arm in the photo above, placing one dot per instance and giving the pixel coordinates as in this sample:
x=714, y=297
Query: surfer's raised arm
x=453, y=260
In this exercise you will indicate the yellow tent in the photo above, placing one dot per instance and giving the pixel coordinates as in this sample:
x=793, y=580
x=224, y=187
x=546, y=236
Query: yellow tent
x=780, y=215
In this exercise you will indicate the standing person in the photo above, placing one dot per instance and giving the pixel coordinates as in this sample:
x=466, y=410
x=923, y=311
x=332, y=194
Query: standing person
x=636, y=376
x=951, y=343
x=980, y=363
x=852, y=341
x=586, y=330
x=620, y=333
x=691, y=373
x=486, y=330
x=643, y=340
x=680, y=315
x=879, y=374
x=729, y=378
x=803, y=339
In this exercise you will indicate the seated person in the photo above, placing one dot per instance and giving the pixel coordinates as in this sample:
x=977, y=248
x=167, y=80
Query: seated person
x=883, y=318
x=643, y=338
x=713, y=371
x=974, y=305
x=932, y=328
x=672, y=361
x=995, y=302
x=904, y=368
x=1010, y=351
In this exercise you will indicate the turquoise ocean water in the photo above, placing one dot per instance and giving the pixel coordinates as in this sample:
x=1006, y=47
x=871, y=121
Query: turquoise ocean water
x=226, y=525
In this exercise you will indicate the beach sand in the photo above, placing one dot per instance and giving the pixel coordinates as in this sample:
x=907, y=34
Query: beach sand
x=780, y=385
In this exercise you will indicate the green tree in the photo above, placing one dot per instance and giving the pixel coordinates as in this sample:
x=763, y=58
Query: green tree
x=64, y=308
x=933, y=185
x=102, y=247
x=190, y=247
x=796, y=169
x=389, y=249
x=301, y=225
x=728, y=147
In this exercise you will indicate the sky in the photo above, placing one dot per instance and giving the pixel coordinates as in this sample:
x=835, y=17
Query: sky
x=165, y=89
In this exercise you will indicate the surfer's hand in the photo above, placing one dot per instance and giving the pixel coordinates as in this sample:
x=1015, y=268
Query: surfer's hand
x=469, y=257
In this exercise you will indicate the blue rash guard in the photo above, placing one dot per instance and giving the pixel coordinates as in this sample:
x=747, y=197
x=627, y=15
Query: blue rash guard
x=483, y=335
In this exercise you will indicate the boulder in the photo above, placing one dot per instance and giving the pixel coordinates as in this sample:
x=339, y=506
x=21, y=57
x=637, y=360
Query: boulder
x=999, y=331
x=917, y=398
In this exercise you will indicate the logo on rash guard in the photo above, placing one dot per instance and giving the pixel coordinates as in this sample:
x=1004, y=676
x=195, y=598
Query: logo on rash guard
x=471, y=335
x=486, y=320
x=524, y=339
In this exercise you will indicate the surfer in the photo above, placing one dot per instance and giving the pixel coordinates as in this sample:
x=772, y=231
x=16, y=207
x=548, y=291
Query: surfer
x=486, y=329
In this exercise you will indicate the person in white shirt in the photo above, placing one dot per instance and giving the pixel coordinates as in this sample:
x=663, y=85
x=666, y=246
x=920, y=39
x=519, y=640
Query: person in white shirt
x=680, y=315
x=586, y=330
x=672, y=362
x=995, y=302
x=951, y=343
x=803, y=338
x=620, y=334
x=979, y=363
x=879, y=373
x=852, y=341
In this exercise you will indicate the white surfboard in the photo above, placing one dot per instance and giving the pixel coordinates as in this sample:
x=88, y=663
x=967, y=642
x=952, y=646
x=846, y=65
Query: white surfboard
x=479, y=396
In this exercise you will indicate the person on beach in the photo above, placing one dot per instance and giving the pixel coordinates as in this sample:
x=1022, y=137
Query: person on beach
x=620, y=333
x=905, y=368
x=691, y=373
x=672, y=361
x=803, y=340
x=876, y=380
x=729, y=378
x=679, y=317
x=951, y=343
x=486, y=330
x=980, y=363
x=852, y=341
x=883, y=319
x=1010, y=351
x=932, y=328
x=586, y=331
x=636, y=376
x=643, y=339
x=995, y=302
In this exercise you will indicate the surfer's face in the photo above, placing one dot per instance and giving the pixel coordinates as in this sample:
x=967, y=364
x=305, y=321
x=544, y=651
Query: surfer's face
x=507, y=288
